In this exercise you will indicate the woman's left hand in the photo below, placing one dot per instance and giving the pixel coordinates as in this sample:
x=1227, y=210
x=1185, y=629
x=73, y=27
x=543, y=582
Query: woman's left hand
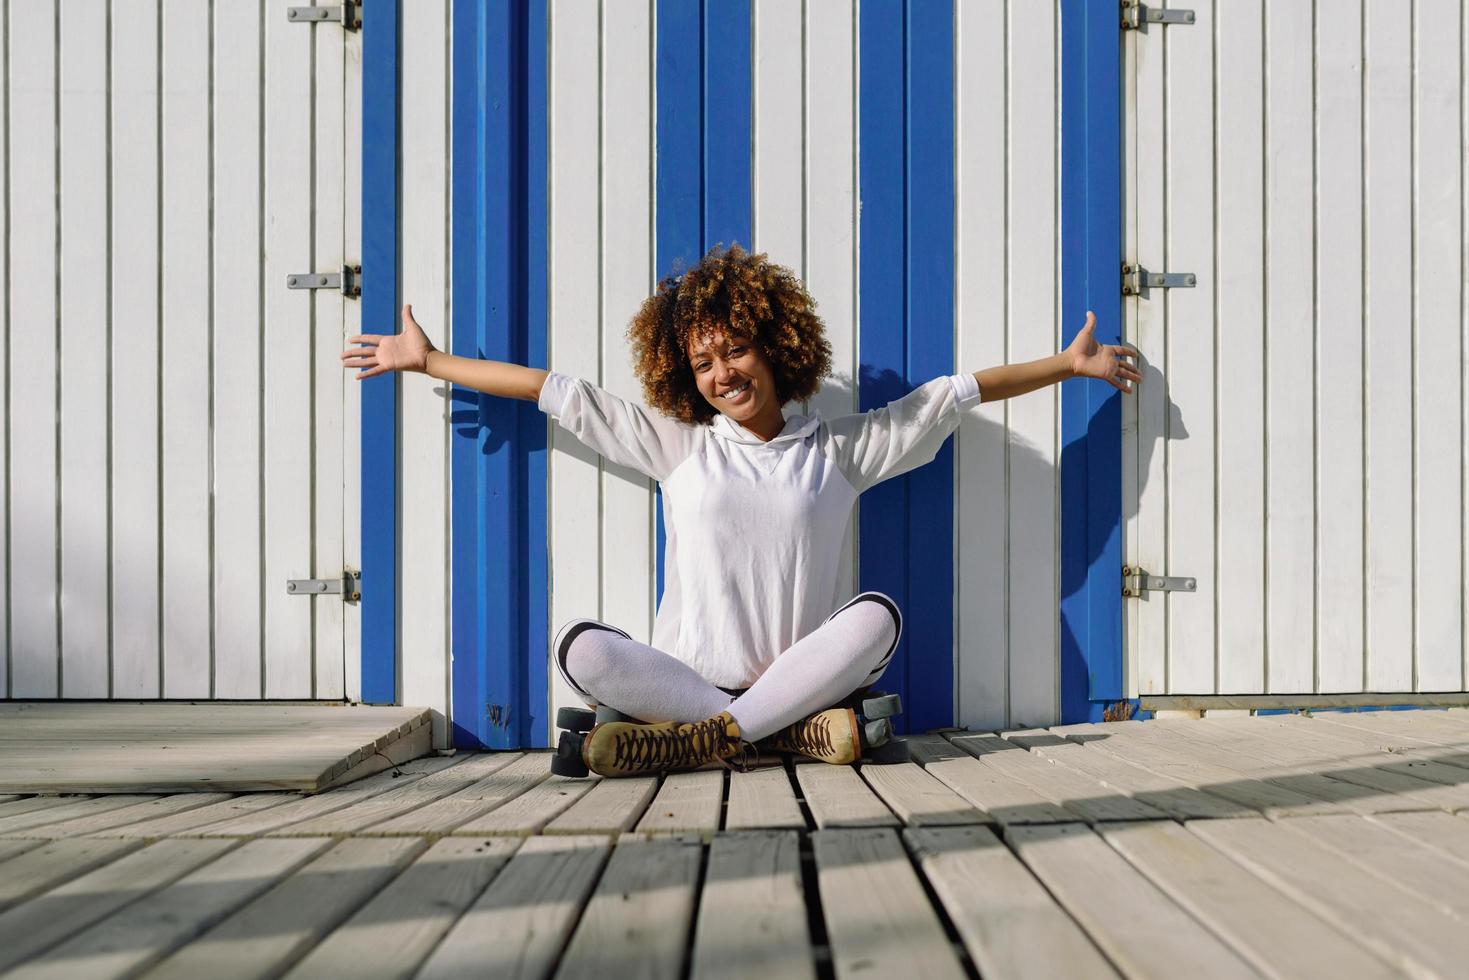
x=1090, y=359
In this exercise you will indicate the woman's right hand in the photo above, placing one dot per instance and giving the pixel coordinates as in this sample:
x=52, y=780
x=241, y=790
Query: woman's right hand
x=380, y=353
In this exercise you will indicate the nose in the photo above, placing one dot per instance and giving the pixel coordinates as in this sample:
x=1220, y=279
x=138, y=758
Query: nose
x=722, y=371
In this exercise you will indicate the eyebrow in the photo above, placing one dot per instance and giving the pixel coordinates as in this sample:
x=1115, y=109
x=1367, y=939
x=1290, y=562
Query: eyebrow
x=735, y=341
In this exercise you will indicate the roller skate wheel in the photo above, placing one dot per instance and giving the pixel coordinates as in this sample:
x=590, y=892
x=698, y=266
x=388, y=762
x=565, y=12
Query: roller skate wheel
x=567, y=760
x=894, y=751
x=883, y=706
x=576, y=719
x=606, y=714
x=875, y=734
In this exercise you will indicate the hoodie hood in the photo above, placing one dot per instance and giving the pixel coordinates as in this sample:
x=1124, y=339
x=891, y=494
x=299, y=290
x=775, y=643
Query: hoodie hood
x=797, y=428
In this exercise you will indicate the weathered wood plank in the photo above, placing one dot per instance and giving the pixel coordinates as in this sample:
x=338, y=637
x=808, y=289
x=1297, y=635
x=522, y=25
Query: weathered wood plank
x=159, y=807
x=273, y=931
x=48, y=865
x=1275, y=934
x=1006, y=800
x=687, y=803
x=518, y=927
x=1438, y=830
x=1139, y=928
x=531, y=810
x=638, y=920
x=463, y=771
x=23, y=824
x=611, y=806
x=391, y=935
x=140, y=935
x=16, y=846
x=1011, y=926
x=35, y=926
x=444, y=814
x=752, y=891
x=1078, y=792
x=183, y=824
x=762, y=799
x=1410, y=933
x=918, y=798
x=25, y=804
x=837, y=797
x=10, y=797
x=878, y=920
x=304, y=808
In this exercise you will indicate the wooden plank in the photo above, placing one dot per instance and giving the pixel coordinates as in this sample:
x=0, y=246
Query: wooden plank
x=531, y=810
x=273, y=931
x=26, y=804
x=13, y=848
x=878, y=920
x=120, y=817
x=612, y=806
x=1449, y=835
x=144, y=932
x=1077, y=792
x=395, y=932
x=1138, y=927
x=918, y=798
x=37, y=925
x=777, y=150
x=519, y=925
x=1167, y=794
x=837, y=797
x=5, y=367
x=444, y=814
x=25, y=823
x=1397, y=925
x=1011, y=925
x=304, y=808
x=752, y=887
x=463, y=770
x=687, y=802
x=48, y=865
x=1395, y=857
x=638, y=920
x=1006, y=800
x=182, y=824
x=1273, y=933
x=763, y=799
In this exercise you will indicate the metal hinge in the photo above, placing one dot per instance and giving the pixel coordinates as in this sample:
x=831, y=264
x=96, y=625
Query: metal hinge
x=1137, y=17
x=1136, y=281
x=349, y=586
x=1135, y=582
x=349, y=280
x=349, y=14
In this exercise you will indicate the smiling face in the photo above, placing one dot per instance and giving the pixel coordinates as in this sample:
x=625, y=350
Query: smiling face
x=734, y=377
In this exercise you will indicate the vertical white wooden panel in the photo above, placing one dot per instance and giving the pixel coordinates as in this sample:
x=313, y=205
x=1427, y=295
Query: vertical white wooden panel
x=574, y=471
x=1032, y=326
x=1147, y=539
x=1340, y=599
x=352, y=392
x=1290, y=443
x=238, y=330
x=778, y=218
x=1239, y=263
x=5, y=495
x=830, y=262
x=1188, y=189
x=981, y=228
x=33, y=335
x=1389, y=371
x=135, y=351
x=186, y=543
x=424, y=408
x=628, y=586
x=1438, y=349
x=327, y=423
x=84, y=338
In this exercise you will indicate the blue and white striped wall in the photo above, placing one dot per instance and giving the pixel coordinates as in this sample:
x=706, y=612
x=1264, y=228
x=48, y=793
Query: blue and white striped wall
x=942, y=176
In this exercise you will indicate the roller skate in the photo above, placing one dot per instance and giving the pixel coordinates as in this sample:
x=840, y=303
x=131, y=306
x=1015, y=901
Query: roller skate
x=841, y=735
x=627, y=748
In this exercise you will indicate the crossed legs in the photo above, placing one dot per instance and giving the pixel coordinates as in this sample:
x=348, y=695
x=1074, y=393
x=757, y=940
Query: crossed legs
x=850, y=650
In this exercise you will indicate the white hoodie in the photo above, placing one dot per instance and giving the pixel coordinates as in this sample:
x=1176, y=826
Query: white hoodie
x=754, y=528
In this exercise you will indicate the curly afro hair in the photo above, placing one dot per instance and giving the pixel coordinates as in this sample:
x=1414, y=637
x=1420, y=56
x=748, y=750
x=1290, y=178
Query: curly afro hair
x=730, y=291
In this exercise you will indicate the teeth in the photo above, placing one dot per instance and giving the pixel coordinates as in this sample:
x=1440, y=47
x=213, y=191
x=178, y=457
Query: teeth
x=736, y=392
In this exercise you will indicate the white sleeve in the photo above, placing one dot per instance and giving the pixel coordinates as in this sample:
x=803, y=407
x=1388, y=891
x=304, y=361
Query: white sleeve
x=902, y=435
x=622, y=431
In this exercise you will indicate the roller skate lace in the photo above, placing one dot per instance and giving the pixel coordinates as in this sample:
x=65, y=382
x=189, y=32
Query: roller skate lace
x=651, y=748
x=810, y=737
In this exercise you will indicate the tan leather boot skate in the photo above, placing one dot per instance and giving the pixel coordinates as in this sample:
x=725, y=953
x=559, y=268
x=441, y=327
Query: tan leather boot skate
x=833, y=736
x=620, y=748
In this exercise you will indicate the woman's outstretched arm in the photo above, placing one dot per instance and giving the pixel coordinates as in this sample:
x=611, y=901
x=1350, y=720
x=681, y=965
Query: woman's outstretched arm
x=411, y=351
x=1084, y=358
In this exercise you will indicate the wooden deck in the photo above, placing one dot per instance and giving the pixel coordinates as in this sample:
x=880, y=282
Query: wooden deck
x=1283, y=846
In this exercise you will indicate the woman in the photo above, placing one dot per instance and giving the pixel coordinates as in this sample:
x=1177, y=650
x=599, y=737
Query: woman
x=746, y=645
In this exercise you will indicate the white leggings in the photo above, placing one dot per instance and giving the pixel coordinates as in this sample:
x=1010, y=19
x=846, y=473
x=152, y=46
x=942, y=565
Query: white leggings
x=847, y=652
